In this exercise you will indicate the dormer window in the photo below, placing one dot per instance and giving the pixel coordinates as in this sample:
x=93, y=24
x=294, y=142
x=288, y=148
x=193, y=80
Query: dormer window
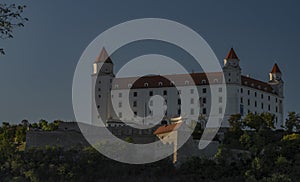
x=160, y=83
x=146, y=84
x=186, y=82
x=203, y=82
x=129, y=85
x=116, y=86
x=216, y=80
x=172, y=83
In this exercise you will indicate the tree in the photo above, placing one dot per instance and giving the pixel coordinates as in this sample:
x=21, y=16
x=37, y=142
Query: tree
x=292, y=123
x=10, y=18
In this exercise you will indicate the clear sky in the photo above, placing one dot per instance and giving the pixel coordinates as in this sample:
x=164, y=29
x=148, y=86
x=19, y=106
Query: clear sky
x=37, y=71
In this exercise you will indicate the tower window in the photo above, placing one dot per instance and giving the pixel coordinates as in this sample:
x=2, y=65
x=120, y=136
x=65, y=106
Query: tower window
x=248, y=102
x=134, y=103
x=220, y=89
x=220, y=99
x=179, y=111
x=242, y=90
x=255, y=94
x=135, y=94
x=262, y=105
x=120, y=94
x=262, y=96
x=220, y=110
x=255, y=104
x=204, y=100
x=242, y=100
x=204, y=90
x=269, y=107
x=192, y=101
x=204, y=111
x=134, y=114
x=192, y=91
x=192, y=111
x=269, y=98
x=120, y=104
x=98, y=106
x=248, y=92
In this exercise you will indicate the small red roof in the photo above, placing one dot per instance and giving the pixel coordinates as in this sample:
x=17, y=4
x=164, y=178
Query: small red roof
x=103, y=57
x=231, y=54
x=167, y=128
x=275, y=69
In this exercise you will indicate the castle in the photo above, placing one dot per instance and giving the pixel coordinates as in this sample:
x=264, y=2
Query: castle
x=243, y=94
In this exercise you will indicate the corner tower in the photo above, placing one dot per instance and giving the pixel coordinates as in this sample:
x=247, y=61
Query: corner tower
x=102, y=78
x=276, y=80
x=232, y=69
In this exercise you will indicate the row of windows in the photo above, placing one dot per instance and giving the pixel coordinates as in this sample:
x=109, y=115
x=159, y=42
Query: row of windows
x=255, y=104
x=261, y=95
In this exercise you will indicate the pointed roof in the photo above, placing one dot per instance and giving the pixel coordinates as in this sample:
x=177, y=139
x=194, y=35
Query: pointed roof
x=231, y=54
x=103, y=57
x=275, y=69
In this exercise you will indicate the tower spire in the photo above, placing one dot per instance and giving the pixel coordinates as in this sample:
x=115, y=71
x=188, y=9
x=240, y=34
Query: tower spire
x=103, y=57
x=231, y=54
x=275, y=69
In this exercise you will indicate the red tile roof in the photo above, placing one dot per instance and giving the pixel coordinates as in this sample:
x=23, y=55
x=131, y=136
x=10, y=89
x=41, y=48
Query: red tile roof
x=157, y=81
x=167, y=128
x=275, y=69
x=231, y=54
x=259, y=85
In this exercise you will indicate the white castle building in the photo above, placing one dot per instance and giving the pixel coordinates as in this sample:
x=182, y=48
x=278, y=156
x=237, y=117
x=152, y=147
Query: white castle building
x=244, y=94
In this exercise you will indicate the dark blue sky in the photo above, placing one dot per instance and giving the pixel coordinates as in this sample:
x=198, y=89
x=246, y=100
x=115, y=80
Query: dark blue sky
x=36, y=74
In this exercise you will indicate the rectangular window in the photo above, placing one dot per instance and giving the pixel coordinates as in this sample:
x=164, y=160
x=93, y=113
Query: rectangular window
x=134, y=103
x=120, y=115
x=269, y=107
x=242, y=100
x=165, y=92
x=151, y=93
x=120, y=104
x=269, y=98
x=276, y=100
x=262, y=105
x=242, y=90
x=192, y=111
x=135, y=114
x=255, y=104
x=248, y=92
x=220, y=89
x=276, y=109
x=255, y=94
x=220, y=110
x=204, y=90
x=204, y=111
x=204, y=100
x=134, y=94
x=120, y=94
x=220, y=99
x=192, y=101
x=192, y=91
x=248, y=102
x=179, y=101
x=179, y=111
x=262, y=96
x=242, y=109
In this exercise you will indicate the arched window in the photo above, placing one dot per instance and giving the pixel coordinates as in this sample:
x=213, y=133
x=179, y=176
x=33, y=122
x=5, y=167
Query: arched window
x=203, y=82
x=216, y=80
x=186, y=82
x=116, y=86
x=129, y=85
x=146, y=84
x=160, y=83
